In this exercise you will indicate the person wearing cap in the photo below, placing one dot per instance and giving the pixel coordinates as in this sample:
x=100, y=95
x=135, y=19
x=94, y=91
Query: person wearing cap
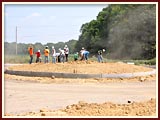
x=30, y=50
x=46, y=54
x=100, y=57
x=66, y=51
x=62, y=55
x=53, y=55
x=38, y=59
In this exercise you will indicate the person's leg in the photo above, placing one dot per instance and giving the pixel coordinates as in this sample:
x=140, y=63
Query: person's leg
x=31, y=59
x=52, y=59
x=63, y=58
x=45, y=59
x=86, y=57
x=55, y=59
x=66, y=57
x=40, y=59
x=99, y=58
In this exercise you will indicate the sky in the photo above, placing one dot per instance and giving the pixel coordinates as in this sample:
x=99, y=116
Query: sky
x=47, y=23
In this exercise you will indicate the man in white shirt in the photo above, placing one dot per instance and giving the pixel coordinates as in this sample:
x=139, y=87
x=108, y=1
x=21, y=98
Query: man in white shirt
x=53, y=55
x=62, y=55
x=66, y=51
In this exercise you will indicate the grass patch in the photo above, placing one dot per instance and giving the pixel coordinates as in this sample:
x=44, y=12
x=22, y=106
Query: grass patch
x=26, y=58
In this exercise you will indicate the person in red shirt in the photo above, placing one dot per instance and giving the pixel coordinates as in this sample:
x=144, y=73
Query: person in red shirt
x=38, y=59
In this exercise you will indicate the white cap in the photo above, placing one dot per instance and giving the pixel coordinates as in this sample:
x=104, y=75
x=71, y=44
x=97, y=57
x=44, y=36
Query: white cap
x=59, y=48
x=65, y=45
x=104, y=50
x=52, y=47
x=82, y=48
x=38, y=50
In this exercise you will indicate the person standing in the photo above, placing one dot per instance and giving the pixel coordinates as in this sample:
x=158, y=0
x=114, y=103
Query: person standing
x=30, y=50
x=66, y=51
x=100, y=57
x=38, y=59
x=46, y=55
x=53, y=55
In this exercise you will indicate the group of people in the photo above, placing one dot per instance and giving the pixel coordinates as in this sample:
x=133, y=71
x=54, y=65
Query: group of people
x=83, y=55
x=62, y=55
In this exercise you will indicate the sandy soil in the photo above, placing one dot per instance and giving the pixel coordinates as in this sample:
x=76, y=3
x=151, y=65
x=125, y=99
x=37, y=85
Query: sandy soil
x=82, y=108
x=144, y=108
x=88, y=67
x=79, y=80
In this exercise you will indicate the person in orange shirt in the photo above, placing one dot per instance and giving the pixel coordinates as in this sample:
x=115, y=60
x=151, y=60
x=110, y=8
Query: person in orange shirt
x=30, y=50
x=46, y=55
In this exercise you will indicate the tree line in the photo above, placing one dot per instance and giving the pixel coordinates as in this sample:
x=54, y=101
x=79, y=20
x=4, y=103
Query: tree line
x=126, y=31
x=22, y=48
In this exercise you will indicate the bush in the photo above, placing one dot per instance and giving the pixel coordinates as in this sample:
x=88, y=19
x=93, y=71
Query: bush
x=151, y=62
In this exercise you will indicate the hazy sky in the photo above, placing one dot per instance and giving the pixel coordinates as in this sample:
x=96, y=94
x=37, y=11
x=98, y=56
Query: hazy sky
x=50, y=23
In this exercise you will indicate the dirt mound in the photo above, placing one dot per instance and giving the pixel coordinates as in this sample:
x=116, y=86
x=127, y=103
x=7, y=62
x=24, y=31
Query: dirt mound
x=144, y=108
x=50, y=80
x=88, y=67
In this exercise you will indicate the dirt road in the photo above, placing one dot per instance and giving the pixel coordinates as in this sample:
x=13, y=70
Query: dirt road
x=23, y=96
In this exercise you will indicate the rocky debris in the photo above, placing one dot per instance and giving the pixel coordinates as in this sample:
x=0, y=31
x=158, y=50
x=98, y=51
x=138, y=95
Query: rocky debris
x=142, y=79
x=53, y=77
x=44, y=110
x=82, y=108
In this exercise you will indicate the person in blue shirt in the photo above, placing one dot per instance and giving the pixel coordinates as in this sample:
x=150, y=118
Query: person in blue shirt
x=86, y=54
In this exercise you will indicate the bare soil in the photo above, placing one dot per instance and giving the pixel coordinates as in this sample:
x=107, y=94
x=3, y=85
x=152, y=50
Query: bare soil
x=88, y=67
x=144, y=108
x=82, y=108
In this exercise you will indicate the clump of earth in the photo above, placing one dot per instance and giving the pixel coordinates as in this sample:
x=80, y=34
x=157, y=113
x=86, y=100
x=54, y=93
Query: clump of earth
x=143, y=108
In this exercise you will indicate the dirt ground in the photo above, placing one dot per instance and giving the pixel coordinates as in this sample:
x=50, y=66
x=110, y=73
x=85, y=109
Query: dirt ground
x=143, y=108
x=50, y=80
x=88, y=67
